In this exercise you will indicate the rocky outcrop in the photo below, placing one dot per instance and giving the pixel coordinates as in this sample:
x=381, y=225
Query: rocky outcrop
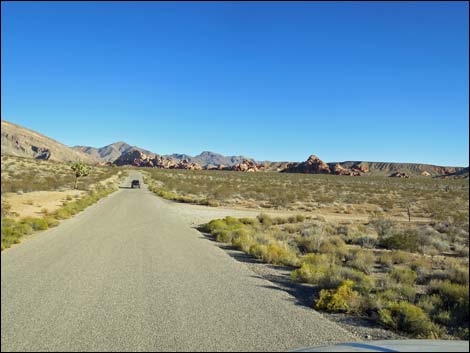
x=137, y=158
x=247, y=166
x=362, y=168
x=399, y=175
x=338, y=169
x=425, y=173
x=313, y=165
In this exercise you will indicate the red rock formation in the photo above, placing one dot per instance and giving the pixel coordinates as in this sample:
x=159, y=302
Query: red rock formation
x=138, y=159
x=312, y=165
x=246, y=166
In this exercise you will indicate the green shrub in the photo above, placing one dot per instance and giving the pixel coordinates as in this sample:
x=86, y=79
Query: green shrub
x=404, y=275
x=265, y=219
x=400, y=239
x=409, y=318
x=455, y=298
x=342, y=299
x=35, y=223
x=62, y=214
x=51, y=222
x=325, y=276
x=279, y=253
x=362, y=260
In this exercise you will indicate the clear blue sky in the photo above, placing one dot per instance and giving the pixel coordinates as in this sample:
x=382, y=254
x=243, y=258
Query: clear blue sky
x=273, y=81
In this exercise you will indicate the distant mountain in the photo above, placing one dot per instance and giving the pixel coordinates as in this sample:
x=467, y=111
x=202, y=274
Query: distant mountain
x=107, y=153
x=314, y=165
x=110, y=153
x=413, y=169
x=19, y=141
x=208, y=158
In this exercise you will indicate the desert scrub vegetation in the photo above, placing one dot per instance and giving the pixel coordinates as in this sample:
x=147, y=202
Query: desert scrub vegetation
x=26, y=175
x=417, y=283
x=12, y=230
x=439, y=199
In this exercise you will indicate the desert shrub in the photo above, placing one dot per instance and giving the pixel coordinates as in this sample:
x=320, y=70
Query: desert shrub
x=382, y=226
x=361, y=260
x=404, y=275
x=430, y=303
x=386, y=260
x=400, y=239
x=455, y=298
x=280, y=254
x=394, y=257
x=362, y=283
x=325, y=276
x=309, y=244
x=423, y=268
x=265, y=219
x=458, y=274
x=248, y=221
x=243, y=242
x=409, y=318
x=316, y=259
x=62, y=214
x=35, y=223
x=51, y=222
x=334, y=245
x=342, y=299
x=366, y=241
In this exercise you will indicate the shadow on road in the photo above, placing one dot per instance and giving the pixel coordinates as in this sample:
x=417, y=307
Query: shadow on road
x=279, y=276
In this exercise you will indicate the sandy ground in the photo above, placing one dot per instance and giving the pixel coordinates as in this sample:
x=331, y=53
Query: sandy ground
x=30, y=204
x=198, y=214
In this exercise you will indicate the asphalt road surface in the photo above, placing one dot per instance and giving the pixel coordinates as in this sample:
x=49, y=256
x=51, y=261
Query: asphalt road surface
x=128, y=274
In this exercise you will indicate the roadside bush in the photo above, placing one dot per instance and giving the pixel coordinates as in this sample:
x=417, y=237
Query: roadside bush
x=342, y=299
x=409, y=318
x=455, y=298
x=324, y=276
x=35, y=223
x=280, y=254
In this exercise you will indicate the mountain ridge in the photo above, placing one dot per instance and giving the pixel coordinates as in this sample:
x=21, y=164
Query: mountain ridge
x=20, y=141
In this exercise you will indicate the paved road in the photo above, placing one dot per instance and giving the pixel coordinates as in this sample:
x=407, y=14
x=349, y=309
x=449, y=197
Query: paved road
x=128, y=274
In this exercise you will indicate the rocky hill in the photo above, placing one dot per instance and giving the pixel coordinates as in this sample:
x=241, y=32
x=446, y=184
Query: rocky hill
x=136, y=158
x=314, y=165
x=412, y=169
x=19, y=141
x=208, y=158
x=110, y=153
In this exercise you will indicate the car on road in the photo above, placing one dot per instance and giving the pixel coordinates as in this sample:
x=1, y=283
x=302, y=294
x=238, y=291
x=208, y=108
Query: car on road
x=135, y=183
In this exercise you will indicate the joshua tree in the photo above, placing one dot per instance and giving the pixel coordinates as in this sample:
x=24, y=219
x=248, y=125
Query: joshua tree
x=80, y=170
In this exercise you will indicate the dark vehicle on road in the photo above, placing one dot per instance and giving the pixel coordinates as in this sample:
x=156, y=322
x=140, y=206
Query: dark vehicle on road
x=135, y=183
